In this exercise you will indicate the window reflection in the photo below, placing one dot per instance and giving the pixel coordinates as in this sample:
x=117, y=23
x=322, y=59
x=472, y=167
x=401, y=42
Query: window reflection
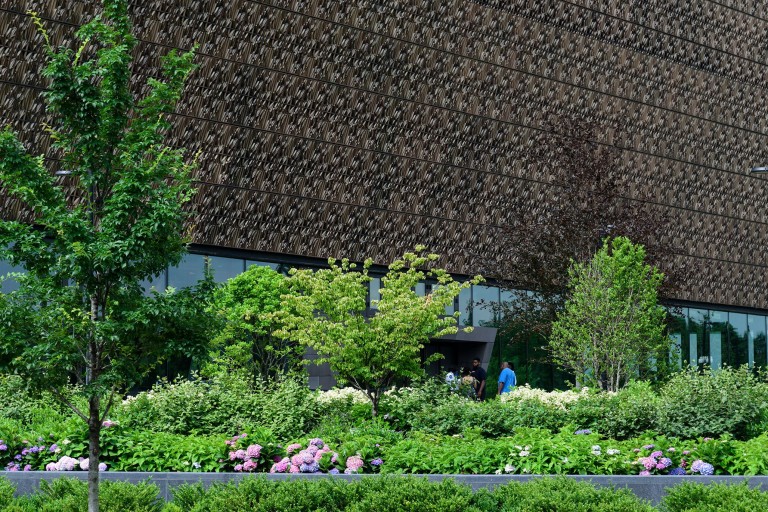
x=483, y=314
x=225, y=268
x=757, y=341
x=188, y=272
x=8, y=285
x=738, y=348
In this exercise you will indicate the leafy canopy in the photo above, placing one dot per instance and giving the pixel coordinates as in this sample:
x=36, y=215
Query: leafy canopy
x=370, y=349
x=245, y=341
x=612, y=327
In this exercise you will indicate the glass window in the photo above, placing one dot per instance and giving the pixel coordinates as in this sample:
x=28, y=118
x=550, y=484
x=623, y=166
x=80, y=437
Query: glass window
x=465, y=306
x=375, y=286
x=8, y=285
x=677, y=334
x=421, y=289
x=225, y=268
x=757, y=340
x=484, y=298
x=740, y=348
x=694, y=349
x=250, y=263
x=718, y=332
x=158, y=283
x=188, y=272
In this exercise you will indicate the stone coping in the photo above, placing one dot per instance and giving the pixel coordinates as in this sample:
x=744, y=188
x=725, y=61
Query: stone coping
x=651, y=488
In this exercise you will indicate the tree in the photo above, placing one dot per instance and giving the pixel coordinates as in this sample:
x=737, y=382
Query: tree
x=612, y=327
x=326, y=310
x=246, y=341
x=584, y=201
x=80, y=312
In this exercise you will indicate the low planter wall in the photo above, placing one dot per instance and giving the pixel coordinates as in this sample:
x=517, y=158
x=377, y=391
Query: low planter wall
x=651, y=488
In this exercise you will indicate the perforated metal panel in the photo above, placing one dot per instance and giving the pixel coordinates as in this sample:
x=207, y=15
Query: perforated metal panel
x=361, y=128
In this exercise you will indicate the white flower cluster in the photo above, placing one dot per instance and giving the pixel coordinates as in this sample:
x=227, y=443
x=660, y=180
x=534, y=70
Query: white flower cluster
x=344, y=394
x=554, y=398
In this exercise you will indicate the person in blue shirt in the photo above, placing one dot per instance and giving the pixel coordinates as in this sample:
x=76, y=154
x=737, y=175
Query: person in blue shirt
x=507, y=378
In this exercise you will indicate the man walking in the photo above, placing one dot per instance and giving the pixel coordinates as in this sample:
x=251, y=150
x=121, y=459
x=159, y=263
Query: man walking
x=479, y=374
x=507, y=378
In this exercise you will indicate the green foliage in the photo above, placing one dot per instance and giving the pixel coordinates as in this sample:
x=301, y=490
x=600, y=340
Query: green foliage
x=612, y=325
x=697, y=497
x=565, y=495
x=712, y=403
x=224, y=404
x=326, y=310
x=6, y=491
x=411, y=494
x=246, y=303
x=70, y=495
x=80, y=311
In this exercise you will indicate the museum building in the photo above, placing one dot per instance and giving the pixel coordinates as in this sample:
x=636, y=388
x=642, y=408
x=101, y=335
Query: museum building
x=360, y=128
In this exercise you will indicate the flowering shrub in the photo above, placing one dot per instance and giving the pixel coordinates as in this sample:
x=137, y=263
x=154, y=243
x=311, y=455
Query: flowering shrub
x=71, y=464
x=346, y=395
x=29, y=456
x=559, y=399
x=249, y=457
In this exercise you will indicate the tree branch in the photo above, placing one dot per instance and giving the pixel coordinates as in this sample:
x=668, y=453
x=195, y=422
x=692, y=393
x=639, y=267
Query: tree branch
x=69, y=404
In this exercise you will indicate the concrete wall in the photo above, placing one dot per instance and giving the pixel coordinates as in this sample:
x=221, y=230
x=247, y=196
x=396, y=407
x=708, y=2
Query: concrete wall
x=650, y=488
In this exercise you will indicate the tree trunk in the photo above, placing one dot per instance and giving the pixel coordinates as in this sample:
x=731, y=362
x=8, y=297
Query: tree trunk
x=94, y=431
x=374, y=406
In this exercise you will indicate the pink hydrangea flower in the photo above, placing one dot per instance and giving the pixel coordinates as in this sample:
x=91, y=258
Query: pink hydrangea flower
x=281, y=466
x=292, y=448
x=253, y=451
x=645, y=473
x=84, y=463
x=312, y=449
x=307, y=457
x=51, y=466
x=296, y=460
x=250, y=465
x=294, y=469
x=239, y=467
x=355, y=462
x=102, y=466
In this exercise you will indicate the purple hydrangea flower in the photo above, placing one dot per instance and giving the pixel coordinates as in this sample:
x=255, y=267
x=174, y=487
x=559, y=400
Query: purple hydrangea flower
x=707, y=469
x=317, y=442
x=102, y=466
x=253, y=451
x=584, y=431
x=3, y=447
x=377, y=462
x=677, y=471
x=665, y=462
x=53, y=448
x=645, y=472
x=649, y=447
x=333, y=471
x=238, y=467
x=28, y=467
x=314, y=467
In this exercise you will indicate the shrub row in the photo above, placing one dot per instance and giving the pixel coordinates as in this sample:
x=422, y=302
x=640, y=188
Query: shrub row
x=691, y=404
x=383, y=494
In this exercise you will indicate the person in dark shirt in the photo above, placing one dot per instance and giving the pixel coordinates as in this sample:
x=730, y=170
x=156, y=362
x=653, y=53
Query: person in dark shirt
x=479, y=374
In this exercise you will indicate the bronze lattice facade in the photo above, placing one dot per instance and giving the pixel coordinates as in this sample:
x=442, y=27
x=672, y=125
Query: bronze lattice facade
x=361, y=128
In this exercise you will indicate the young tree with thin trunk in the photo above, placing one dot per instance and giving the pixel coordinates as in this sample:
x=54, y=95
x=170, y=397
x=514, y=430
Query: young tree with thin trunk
x=370, y=350
x=109, y=218
x=612, y=327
